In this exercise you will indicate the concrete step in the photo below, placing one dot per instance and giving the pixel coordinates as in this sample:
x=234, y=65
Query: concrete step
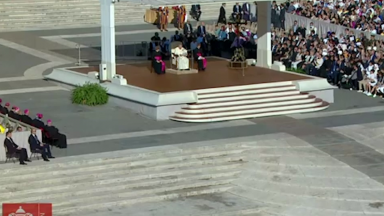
x=133, y=159
x=37, y=11
x=119, y=176
x=129, y=199
x=62, y=23
x=133, y=168
x=115, y=184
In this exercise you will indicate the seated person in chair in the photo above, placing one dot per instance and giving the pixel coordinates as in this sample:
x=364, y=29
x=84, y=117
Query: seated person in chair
x=198, y=55
x=6, y=108
x=26, y=118
x=54, y=133
x=38, y=122
x=37, y=146
x=14, y=113
x=157, y=62
x=237, y=11
x=179, y=57
x=13, y=148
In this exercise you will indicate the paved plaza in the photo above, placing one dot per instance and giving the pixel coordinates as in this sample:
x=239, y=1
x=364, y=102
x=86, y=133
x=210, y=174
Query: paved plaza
x=324, y=163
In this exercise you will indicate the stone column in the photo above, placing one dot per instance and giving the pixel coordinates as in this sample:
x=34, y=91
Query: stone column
x=108, y=37
x=264, y=53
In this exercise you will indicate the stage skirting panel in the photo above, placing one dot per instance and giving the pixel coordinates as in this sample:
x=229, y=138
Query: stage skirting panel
x=161, y=106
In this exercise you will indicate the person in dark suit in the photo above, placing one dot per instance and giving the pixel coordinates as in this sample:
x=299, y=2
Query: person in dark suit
x=187, y=28
x=54, y=133
x=282, y=16
x=12, y=148
x=237, y=12
x=246, y=11
x=196, y=12
x=36, y=145
x=222, y=16
x=201, y=30
x=26, y=118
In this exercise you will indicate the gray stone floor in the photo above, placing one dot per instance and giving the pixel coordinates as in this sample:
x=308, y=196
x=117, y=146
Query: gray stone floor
x=79, y=121
x=349, y=133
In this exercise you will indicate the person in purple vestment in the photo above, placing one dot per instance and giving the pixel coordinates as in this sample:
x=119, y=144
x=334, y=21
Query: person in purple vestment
x=198, y=55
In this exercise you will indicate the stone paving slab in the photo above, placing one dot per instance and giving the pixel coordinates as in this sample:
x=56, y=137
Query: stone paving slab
x=24, y=84
x=15, y=63
x=361, y=157
x=343, y=120
x=165, y=139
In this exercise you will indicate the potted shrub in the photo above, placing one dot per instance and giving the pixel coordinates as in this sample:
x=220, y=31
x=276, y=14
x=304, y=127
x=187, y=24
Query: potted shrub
x=91, y=94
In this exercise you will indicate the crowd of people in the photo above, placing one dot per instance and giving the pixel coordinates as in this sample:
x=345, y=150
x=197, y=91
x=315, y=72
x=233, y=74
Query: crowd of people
x=348, y=60
x=50, y=134
x=363, y=15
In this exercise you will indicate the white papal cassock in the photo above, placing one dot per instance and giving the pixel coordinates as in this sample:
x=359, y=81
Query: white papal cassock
x=182, y=60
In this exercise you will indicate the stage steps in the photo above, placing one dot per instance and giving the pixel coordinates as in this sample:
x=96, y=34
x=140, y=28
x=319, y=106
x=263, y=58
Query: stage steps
x=250, y=101
x=47, y=14
x=78, y=186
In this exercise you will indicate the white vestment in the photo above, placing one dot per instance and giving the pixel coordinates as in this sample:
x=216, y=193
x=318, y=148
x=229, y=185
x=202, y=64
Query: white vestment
x=182, y=60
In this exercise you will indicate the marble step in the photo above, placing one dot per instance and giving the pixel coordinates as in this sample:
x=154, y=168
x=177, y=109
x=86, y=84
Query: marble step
x=133, y=169
x=118, y=176
x=79, y=209
x=144, y=159
x=113, y=185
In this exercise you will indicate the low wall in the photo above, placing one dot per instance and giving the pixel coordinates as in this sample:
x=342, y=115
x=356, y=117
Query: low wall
x=318, y=87
x=152, y=104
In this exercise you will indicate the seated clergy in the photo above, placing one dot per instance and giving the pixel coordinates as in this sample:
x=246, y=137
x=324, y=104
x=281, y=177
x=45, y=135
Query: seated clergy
x=38, y=122
x=26, y=118
x=54, y=133
x=198, y=55
x=179, y=57
x=6, y=108
x=2, y=110
x=14, y=113
x=157, y=62
x=37, y=146
x=13, y=148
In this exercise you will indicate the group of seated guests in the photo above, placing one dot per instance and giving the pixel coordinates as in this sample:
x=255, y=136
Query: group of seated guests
x=36, y=146
x=219, y=40
x=50, y=134
x=346, y=60
x=360, y=15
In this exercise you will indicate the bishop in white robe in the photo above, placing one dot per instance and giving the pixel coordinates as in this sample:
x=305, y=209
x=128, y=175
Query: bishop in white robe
x=180, y=56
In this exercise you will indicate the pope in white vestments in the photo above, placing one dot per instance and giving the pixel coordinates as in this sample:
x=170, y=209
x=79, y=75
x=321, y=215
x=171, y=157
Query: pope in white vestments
x=181, y=59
